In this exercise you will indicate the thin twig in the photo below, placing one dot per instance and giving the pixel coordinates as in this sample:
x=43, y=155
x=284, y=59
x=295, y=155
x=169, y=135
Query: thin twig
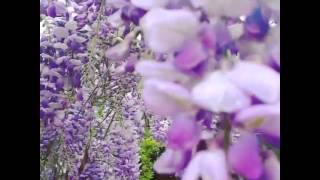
x=109, y=126
x=227, y=131
x=146, y=120
x=90, y=96
x=107, y=115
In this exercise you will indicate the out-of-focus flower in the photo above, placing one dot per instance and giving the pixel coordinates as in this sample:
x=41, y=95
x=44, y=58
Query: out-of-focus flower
x=256, y=79
x=230, y=8
x=256, y=25
x=271, y=167
x=262, y=119
x=160, y=70
x=169, y=32
x=183, y=134
x=218, y=94
x=147, y=4
x=119, y=51
x=209, y=165
x=244, y=157
x=172, y=161
x=165, y=98
x=191, y=55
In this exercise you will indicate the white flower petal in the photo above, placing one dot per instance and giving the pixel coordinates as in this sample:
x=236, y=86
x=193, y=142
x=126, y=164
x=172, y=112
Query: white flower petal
x=165, y=98
x=71, y=25
x=60, y=32
x=236, y=30
x=169, y=32
x=257, y=79
x=231, y=8
x=159, y=70
x=118, y=51
x=272, y=167
x=264, y=117
x=60, y=46
x=170, y=161
x=115, y=19
x=77, y=38
x=273, y=4
x=117, y=3
x=218, y=94
x=208, y=165
x=149, y=4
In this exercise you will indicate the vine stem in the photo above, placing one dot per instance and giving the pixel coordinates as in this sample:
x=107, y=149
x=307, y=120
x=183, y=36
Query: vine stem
x=94, y=39
x=109, y=125
x=146, y=120
x=105, y=118
x=90, y=97
x=227, y=131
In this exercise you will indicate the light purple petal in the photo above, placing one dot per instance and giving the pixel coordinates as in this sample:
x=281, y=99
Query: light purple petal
x=71, y=25
x=231, y=8
x=223, y=36
x=236, y=8
x=272, y=4
x=59, y=45
x=147, y=4
x=172, y=161
x=183, y=134
x=236, y=30
x=169, y=32
x=272, y=167
x=273, y=44
x=115, y=19
x=210, y=165
x=244, y=157
x=175, y=4
x=119, y=51
x=60, y=32
x=77, y=38
x=270, y=127
x=160, y=70
x=258, y=80
x=165, y=98
x=117, y=3
x=263, y=118
x=217, y=94
x=190, y=56
x=208, y=36
x=275, y=54
x=60, y=8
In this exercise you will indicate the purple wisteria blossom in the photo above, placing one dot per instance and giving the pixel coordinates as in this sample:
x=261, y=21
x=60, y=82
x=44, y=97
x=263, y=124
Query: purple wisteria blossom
x=222, y=60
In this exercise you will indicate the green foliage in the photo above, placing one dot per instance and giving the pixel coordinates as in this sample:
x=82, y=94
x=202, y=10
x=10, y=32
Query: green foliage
x=149, y=151
x=100, y=111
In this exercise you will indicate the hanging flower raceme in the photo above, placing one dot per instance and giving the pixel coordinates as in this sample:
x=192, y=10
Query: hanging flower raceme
x=208, y=73
x=159, y=127
x=262, y=119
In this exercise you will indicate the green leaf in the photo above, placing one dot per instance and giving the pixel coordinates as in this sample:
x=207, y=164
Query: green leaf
x=149, y=149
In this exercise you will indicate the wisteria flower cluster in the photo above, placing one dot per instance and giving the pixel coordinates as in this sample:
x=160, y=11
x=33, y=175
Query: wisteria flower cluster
x=203, y=76
x=219, y=84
